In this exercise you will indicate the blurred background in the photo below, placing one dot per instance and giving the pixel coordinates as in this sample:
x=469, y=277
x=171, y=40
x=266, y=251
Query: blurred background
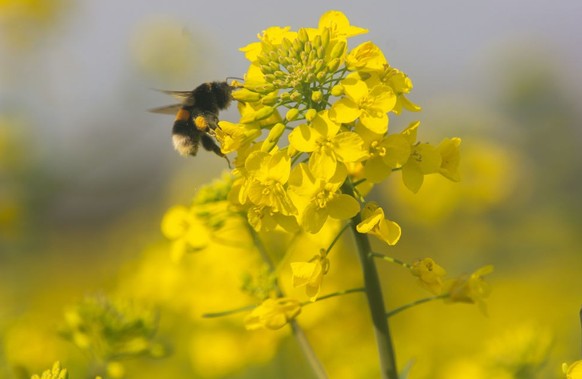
x=86, y=174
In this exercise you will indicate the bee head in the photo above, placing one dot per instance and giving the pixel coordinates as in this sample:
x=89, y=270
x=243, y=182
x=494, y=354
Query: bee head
x=222, y=92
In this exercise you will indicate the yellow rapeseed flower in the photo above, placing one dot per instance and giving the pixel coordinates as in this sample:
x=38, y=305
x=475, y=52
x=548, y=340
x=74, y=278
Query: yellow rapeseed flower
x=374, y=223
x=471, y=288
x=267, y=175
x=310, y=274
x=319, y=198
x=430, y=274
x=366, y=57
x=327, y=145
x=273, y=314
x=370, y=105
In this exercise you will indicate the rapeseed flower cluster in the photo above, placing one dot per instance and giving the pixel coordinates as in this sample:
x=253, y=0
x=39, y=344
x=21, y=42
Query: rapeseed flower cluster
x=312, y=140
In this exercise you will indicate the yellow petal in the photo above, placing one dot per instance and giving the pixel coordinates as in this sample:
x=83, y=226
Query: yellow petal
x=349, y=147
x=343, y=207
x=344, y=111
x=313, y=218
x=323, y=163
x=376, y=170
x=412, y=176
x=304, y=138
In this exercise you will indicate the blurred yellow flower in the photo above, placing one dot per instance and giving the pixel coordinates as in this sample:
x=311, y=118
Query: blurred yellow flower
x=273, y=314
x=450, y=158
x=471, y=288
x=374, y=223
x=310, y=274
x=430, y=274
x=56, y=372
x=573, y=371
x=185, y=230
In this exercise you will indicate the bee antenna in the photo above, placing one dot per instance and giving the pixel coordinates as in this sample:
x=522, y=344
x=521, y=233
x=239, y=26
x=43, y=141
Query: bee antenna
x=234, y=78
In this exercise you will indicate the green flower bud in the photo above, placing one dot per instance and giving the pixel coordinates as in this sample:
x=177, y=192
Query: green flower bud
x=310, y=114
x=325, y=38
x=337, y=90
x=274, y=134
x=292, y=114
x=244, y=95
x=333, y=65
x=339, y=49
x=296, y=96
x=316, y=96
x=263, y=113
x=270, y=99
x=321, y=75
x=302, y=36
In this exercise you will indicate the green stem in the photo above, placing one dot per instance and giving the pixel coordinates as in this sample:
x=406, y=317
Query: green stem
x=375, y=297
x=298, y=333
x=390, y=259
x=415, y=303
x=334, y=294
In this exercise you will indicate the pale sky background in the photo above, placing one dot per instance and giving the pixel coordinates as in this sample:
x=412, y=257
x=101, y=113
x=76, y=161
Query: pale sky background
x=86, y=99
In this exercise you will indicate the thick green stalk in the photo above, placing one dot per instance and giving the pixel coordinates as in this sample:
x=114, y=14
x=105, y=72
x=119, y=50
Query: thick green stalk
x=374, y=296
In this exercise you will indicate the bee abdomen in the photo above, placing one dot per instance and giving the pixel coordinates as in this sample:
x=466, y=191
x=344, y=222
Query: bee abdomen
x=185, y=137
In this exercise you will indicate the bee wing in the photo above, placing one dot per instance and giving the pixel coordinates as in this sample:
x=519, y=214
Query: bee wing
x=186, y=97
x=168, y=109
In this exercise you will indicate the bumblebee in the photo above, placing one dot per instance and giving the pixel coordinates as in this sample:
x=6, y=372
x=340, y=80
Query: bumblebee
x=197, y=116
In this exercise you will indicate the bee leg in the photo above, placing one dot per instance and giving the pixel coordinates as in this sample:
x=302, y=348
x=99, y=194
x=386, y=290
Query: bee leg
x=210, y=145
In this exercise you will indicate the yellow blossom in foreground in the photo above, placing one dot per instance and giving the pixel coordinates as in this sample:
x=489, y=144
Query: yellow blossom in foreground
x=370, y=105
x=339, y=25
x=310, y=274
x=471, y=288
x=429, y=274
x=386, y=152
x=573, y=371
x=374, y=223
x=268, y=174
x=366, y=57
x=327, y=146
x=273, y=314
x=319, y=198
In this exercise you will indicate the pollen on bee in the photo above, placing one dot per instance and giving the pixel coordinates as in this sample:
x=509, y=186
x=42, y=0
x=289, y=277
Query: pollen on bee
x=201, y=123
x=182, y=115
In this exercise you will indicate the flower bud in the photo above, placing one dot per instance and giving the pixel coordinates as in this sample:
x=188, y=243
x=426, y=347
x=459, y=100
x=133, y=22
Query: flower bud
x=263, y=113
x=270, y=99
x=333, y=65
x=337, y=90
x=339, y=49
x=310, y=114
x=292, y=114
x=316, y=96
x=274, y=134
x=245, y=95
